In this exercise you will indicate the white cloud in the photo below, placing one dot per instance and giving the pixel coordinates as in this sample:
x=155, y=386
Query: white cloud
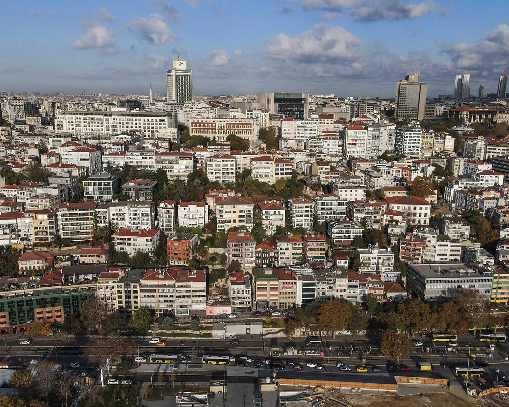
x=154, y=30
x=218, y=57
x=330, y=5
x=96, y=35
x=322, y=44
x=170, y=10
x=238, y=52
x=396, y=10
x=159, y=62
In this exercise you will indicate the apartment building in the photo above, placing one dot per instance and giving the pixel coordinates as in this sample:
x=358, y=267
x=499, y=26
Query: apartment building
x=266, y=288
x=349, y=192
x=193, y=214
x=180, y=249
x=100, y=187
x=133, y=241
x=287, y=288
x=135, y=215
x=234, y=211
x=290, y=249
x=76, y=221
x=241, y=248
x=176, y=290
x=411, y=248
x=220, y=129
x=120, y=288
x=302, y=211
x=362, y=286
x=239, y=288
x=140, y=189
x=315, y=248
x=265, y=255
x=221, y=169
x=370, y=212
x=86, y=157
x=330, y=207
x=166, y=216
x=342, y=233
x=376, y=260
x=273, y=215
x=415, y=210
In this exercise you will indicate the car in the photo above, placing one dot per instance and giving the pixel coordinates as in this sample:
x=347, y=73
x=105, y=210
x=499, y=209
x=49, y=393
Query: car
x=319, y=366
x=481, y=363
x=162, y=343
x=391, y=367
x=154, y=340
x=25, y=342
x=275, y=313
x=234, y=342
x=361, y=369
x=418, y=343
x=297, y=366
x=140, y=359
x=126, y=381
x=74, y=365
x=376, y=369
x=277, y=365
x=232, y=316
x=257, y=314
x=311, y=364
x=403, y=367
x=257, y=363
x=345, y=368
x=113, y=381
x=185, y=358
x=453, y=344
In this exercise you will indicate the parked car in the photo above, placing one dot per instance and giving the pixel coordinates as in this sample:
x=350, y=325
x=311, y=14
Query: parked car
x=25, y=342
x=113, y=381
x=418, y=343
x=257, y=363
x=361, y=369
x=257, y=314
x=311, y=364
x=319, y=366
x=140, y=359
x=403, y=367
x=275, y=313
x=376, y=369
x=232, y=316
x=391, y=367
x=345, y=368
x=154, y=340
x=74, y=365
x=126, y=381
x=234, y=342
x=297, y=366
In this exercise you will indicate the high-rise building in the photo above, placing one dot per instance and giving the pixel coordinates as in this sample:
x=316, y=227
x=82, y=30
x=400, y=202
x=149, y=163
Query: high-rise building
x=481, y=91
x=411, y=98
x=294, y=105
x=462, y=86
x=179, y=83
x=502, y=84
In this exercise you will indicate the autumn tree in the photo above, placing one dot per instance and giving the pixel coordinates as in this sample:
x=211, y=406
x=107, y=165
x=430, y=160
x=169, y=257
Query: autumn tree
x=422, y=187
x=9, y=401
x=415, y=314
x=334, y=315
x=396, y=345
x=93, y=315
x=474, y=308
x=291, y=325
x=448, y=318
x=21, y=380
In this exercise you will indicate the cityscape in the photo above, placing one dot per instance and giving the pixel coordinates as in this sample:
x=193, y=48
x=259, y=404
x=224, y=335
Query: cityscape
x=221, y=227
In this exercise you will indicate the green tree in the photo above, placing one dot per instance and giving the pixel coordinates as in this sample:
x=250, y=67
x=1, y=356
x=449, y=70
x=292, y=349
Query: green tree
x=36, y=173
x=334, y=315
x=422, y=187
x=237, y=143
x=372, y=305
x=234, y=266
x=140, y=260
x=395, y=345
x=141, y=321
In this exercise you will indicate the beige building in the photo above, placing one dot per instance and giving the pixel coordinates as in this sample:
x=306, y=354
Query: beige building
x=76, y=221
x=234, y=211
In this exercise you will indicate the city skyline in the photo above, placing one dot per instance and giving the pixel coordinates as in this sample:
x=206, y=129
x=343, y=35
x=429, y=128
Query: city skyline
x=309, y=46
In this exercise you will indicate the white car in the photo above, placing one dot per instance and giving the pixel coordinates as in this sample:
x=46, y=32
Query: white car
x=154, y=340
x=232, y=316
x=311, y=364
x=275, y=313
x=345, y=368
x=126, y=381
x=319, y=366
x=74, y=365
x=418, y=343
x=25, y=342
x=140, y=359
x=113, y=381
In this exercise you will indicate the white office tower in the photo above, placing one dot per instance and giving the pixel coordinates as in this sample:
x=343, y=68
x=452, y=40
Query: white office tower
x=408, y=140
x=411, y=98
x=179, y=83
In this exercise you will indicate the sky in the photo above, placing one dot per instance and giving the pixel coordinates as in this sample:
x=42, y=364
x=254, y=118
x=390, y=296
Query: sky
x=358, y=48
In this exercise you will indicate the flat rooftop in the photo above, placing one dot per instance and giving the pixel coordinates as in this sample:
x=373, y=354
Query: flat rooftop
x=446, y=270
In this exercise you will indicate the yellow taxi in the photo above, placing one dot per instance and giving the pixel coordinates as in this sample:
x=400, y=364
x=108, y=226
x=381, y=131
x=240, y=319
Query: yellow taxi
x=161, y=343
x=361, y=369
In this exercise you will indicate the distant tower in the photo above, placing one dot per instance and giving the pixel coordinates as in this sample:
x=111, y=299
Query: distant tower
x=462, y=86
x=481, y=91
x=502, y=84
x=150, y=98
x=411, y=98
x=179, y=83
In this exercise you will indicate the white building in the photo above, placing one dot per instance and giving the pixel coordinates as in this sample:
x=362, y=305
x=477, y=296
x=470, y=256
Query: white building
x=166, y=216
x=193, y=214
x=221, y=169
x=89, y=158
x=415, y=210
x=133, y=241
x=302, y=211
x=408, y=140
x=273, y=215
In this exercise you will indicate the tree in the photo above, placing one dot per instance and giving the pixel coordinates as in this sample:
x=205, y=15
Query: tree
x=234, y=266
x=9, y=401
x=237, y=143
x=114, y=323
x=474, y=308
x=422, y=187
x=21, y=380
x=448, y=318
x=93, y=314
x=142, y=318
x=415, y=314
x=194, y=324
x=291, y=325
x=395, y=345
x=358, y=321
x=140, y=260
x=372, y=305
x=334, y=315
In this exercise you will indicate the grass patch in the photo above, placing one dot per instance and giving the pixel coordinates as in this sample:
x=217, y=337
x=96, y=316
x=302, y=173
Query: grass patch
x=112, y=396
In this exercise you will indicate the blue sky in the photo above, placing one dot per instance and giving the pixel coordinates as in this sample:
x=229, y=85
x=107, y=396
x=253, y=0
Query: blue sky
x=342, y=47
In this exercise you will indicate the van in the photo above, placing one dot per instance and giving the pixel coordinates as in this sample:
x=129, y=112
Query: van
x=154, y=340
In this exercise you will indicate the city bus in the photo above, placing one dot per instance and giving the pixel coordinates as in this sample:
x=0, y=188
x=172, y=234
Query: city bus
x=164, y=359
x=443, y=337
x=468, y=371
x=216, y=359
x=492, y=337
x=313, y=340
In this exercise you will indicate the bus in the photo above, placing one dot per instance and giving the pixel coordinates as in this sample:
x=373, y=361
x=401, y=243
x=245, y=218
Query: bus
x=164, y=359
x=443, y=337
x=314, y=352
x=216, y=359
x=468, y=371
x=492, y=337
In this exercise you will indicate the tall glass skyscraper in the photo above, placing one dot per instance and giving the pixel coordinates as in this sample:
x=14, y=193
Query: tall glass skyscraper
x=462, y=86
x=502, y=84
x=411, y=98
x=179, y=83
